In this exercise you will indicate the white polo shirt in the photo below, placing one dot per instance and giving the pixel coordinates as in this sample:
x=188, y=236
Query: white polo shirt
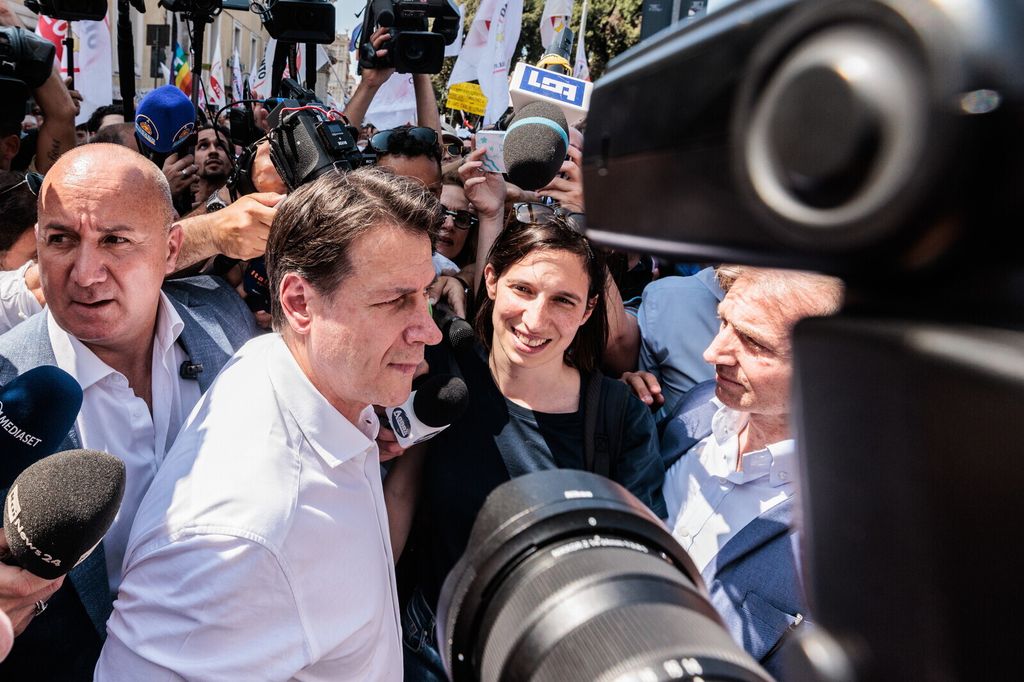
x=261, y=551
x=115, y=420
x=709, y=502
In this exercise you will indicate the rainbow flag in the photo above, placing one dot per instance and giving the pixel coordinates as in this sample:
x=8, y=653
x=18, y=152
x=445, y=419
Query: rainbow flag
x=182, y=74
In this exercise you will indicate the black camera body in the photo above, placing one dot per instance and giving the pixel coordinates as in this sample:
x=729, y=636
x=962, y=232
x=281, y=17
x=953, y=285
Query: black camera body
x=415, y=44
x=881, y=141
x=69, y=10
x=25, y=64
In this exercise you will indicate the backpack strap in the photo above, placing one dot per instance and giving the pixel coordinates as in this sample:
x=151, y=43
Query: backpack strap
x=604, y=421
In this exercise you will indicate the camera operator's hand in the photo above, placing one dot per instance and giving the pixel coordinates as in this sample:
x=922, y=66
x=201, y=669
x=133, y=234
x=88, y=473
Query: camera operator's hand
x=486, y=191
x=76, y=97
x=180, y=172
x=646, y=387
x=241, y=228
x=378, y=77
x=567, y=187
x=265, y=177
x=20, y=590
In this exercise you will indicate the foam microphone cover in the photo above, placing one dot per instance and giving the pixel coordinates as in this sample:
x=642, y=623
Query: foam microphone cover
x=441, y=400
x=164, y=120
x=535, y=145
x=456, y=331
x=37, y=410
x=59, y=509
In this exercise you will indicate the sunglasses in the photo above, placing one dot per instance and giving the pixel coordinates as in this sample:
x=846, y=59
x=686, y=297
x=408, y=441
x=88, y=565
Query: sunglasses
x=455, y=148
x=382, y=142
x=541, y=214
x=33, y=180
x=462, y=219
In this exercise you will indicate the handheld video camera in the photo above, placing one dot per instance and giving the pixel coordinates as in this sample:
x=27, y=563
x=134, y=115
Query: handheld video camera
x=414, y=45
x=25, y=63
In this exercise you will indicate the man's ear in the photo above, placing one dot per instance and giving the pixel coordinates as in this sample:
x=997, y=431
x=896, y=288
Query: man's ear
x=295, y=295
x=491, y=281
x=174, y=239
x=9, y=147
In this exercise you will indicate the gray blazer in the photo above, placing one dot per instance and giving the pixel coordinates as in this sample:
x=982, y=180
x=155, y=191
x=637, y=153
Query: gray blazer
x=216, y=323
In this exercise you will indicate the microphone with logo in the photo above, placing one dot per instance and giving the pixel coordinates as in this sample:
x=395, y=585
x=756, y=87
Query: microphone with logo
x=535, y=145
x=59, y=509
x=429, y=410
x=164, y=123
x=37, y=409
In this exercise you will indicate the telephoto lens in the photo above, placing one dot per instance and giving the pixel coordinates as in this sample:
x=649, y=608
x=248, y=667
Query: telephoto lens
x=569, y=577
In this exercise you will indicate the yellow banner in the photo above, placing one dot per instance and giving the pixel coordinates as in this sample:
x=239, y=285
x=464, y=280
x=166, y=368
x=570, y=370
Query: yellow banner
x=467, y=97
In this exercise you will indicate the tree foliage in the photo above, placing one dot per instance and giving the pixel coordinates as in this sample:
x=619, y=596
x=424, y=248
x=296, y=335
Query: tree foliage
x=613, y=26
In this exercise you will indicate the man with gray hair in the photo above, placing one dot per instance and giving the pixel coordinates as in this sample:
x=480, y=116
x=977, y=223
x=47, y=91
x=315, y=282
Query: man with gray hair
x=730, y=495
x=262, y=549
x=143, y=351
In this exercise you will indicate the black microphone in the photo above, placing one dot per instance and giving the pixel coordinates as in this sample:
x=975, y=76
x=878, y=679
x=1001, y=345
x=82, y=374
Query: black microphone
x=37, y=409
x=535, y=145
x=429, y=410
x=60, y=508
x=455, y=331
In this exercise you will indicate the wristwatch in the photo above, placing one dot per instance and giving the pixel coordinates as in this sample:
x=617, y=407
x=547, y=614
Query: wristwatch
x=214, y=203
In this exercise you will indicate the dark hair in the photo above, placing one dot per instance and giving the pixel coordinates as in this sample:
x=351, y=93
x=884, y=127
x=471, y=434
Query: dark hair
x=401, y=143
x=93, y=124
x=17, y=209
x=515, y=243
x=315, y=226
x=116, y=133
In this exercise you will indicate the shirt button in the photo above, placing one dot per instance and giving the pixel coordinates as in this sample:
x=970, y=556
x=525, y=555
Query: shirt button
x=783, y=476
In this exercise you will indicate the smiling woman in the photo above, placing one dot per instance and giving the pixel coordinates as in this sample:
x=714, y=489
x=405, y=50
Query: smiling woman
x=541, y=328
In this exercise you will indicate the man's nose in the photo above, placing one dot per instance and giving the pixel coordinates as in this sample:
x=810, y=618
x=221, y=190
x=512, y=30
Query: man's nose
x=718, y=352
x=89, y=267
x=422, y=328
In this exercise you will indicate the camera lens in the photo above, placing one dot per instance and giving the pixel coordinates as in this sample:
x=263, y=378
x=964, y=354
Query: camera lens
x=568, y=577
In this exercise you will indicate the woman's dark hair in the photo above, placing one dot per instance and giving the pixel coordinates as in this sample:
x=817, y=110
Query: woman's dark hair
x=517, y=241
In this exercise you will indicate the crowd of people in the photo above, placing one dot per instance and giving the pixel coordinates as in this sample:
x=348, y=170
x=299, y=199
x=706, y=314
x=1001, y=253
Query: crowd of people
x=272, y=525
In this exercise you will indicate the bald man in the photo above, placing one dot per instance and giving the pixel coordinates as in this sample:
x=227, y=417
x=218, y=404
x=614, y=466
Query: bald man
x=142, y=350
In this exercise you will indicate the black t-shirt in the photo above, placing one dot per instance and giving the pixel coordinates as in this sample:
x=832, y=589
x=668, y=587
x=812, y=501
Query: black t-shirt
x=464, y=463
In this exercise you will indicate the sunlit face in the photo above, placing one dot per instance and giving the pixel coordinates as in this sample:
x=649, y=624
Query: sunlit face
x=451, y=239
x=366, y=339
x=540, y=303
x=211, y=154
x=752, y=351
x=104, y=249
x=422, y=168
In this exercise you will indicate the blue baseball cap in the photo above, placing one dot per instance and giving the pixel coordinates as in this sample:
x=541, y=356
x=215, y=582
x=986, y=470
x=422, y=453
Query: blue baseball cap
x=165, y=118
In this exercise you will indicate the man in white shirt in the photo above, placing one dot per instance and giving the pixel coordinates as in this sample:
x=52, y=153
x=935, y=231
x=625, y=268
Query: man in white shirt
x=262, y=549
x=730, y=496
x=105, y=242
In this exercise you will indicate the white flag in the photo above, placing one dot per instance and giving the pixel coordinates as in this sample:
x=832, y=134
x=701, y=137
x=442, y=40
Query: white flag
x=236, y=77
x=259, y=79
x=93, y=59
x=394, y=104
x=300, y=62
x=487, y=53
x=556, y=16
x=456, y=46
x=581, y=69
x=218, y=97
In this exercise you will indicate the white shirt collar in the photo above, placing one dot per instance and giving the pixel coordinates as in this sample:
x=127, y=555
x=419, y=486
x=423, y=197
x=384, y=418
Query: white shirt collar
x=75, y=358
x=333, y=437
x=775, y=460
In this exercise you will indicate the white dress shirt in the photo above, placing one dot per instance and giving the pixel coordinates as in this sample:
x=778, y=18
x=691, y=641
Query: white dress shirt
x=261, y=551
x=115, y=420
x=709, y=501
x=17, y=302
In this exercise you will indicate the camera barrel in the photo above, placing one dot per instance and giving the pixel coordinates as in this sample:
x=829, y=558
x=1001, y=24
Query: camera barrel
x=568, y=577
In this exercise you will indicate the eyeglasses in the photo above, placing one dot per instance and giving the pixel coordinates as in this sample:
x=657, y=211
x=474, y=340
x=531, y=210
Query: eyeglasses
x=529, y=212
x=455, y=148
x=382, y=141
x=462, y=219
x=33, y=180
